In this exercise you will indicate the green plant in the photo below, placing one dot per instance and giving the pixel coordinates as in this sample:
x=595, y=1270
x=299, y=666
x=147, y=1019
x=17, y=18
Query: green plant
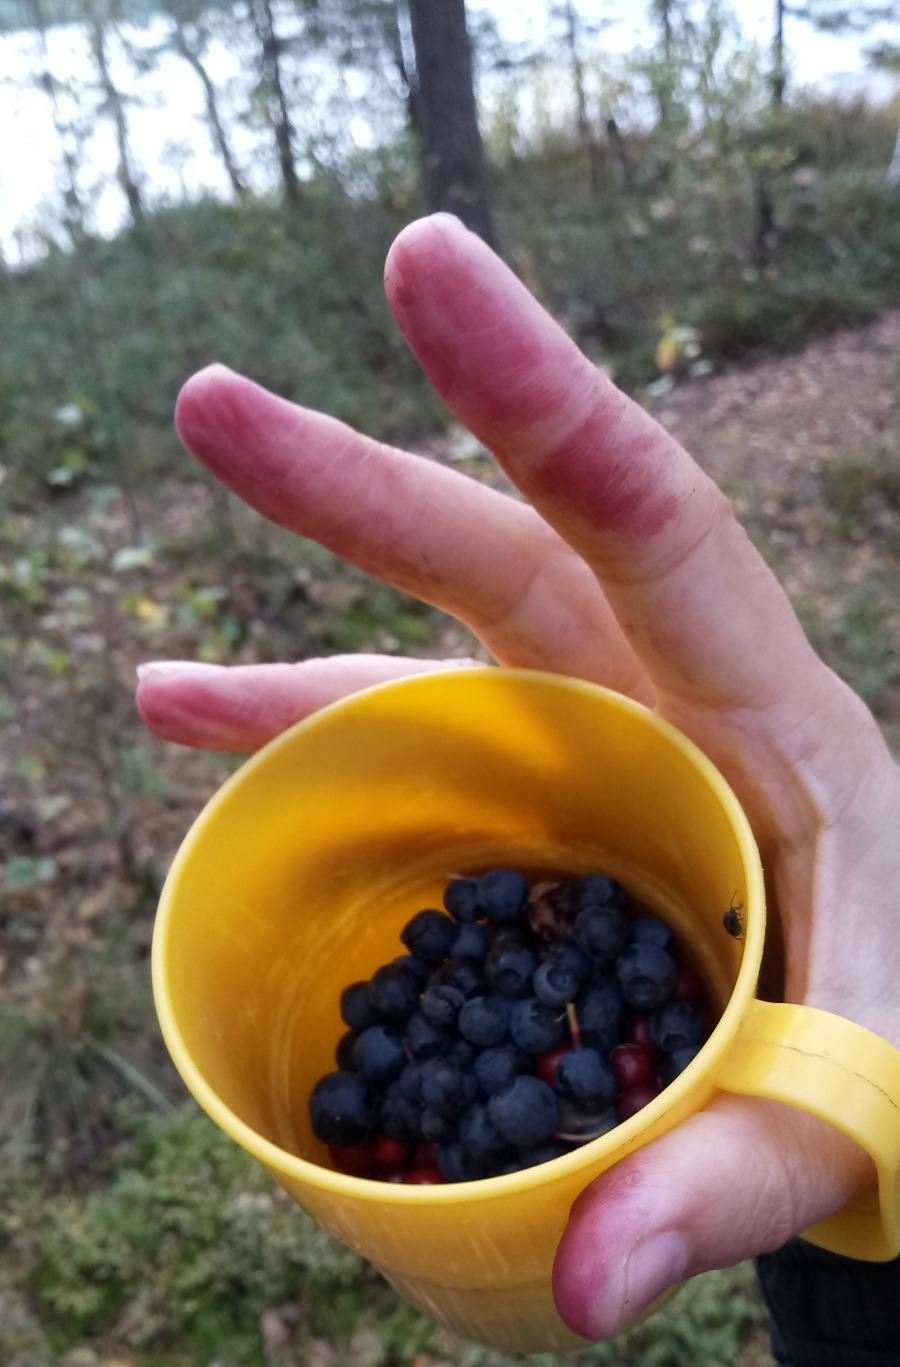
x=187, y=1246
x=862, y=490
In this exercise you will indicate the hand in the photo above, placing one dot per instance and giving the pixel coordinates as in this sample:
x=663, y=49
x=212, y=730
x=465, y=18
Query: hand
x=628, y=569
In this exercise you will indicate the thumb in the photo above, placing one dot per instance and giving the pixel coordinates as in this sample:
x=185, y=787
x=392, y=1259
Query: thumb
x=739, y=1178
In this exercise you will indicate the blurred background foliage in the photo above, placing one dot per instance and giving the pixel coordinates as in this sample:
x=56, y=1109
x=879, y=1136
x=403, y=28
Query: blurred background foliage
x=681, y=208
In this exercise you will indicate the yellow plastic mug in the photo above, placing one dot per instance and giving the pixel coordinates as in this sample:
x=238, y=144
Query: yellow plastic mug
x=298, y=876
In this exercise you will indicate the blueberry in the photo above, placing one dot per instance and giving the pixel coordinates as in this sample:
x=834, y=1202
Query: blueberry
x=586, y=1079
x=602, y=932
x=600, y=1011
x=596, y=890
x=652, y=930
x=357, y=1011
x=543, y=1153
x=675, y=1026
x=554, y=984
x=647, y=975
x=410, y=1080
x=417, y=967
x=574, y=1120
x=341, y=1109
x=484, y=1021
x=536, y=1027
x=568, y=955
x=441, y=1005
x=498, y=1065
x=676, y=1063
x=501, y=934
x=511, y=1165
x=503, y=894
x=393, y=992
x=437, y=1126
x=471, y=941
x=465, y=974
x=343, y=1054
x=525, y=1111
x=400, y=1116
x=464, y=1053
x=379, y=1055
x=461, y=900
x=429, y=935
x=456, y=1164
x=480, y=1135
x=425, y=1040
x=509, y=967
x=447, y=1086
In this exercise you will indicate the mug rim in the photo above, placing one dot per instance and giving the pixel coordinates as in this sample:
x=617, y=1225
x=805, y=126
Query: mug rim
x=303, y=1170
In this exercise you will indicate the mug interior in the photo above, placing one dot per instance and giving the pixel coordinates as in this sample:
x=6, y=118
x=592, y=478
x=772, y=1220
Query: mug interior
x=299, y=875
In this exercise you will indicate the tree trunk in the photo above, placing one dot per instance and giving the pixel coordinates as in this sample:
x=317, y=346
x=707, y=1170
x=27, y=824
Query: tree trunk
x=455, y=171
x=220, y=137
x=893, y=175
x=585, y=133
x=115, y=106
x=270, y=49
x=778, y=79
x=73, y=207
x=619, y=151
x=663, y=11
x=395, y=44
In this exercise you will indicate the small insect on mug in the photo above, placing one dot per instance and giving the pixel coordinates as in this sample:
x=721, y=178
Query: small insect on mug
x=298, y=876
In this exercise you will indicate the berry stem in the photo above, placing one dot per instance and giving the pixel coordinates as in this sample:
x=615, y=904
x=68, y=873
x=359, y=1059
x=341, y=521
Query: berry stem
x=574, y=1029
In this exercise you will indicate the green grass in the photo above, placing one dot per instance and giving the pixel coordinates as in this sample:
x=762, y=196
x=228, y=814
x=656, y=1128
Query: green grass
x=179, y=1255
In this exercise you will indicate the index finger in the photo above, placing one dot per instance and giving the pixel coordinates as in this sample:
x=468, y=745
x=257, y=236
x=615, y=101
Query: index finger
x=708, y=620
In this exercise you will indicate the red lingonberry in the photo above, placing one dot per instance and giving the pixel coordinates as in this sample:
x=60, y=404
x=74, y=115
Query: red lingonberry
x=425, y=1177
x=391, y=1153
x=632, y=1065
x=546, y=1064
x=636, y=1098
x=356, y=1160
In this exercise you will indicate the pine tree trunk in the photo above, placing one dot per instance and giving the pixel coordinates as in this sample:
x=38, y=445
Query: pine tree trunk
x=455, y=172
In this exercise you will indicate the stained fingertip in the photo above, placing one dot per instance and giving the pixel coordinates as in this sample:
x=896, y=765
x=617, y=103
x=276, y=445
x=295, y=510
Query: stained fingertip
x=425, y=230
x=205, y=400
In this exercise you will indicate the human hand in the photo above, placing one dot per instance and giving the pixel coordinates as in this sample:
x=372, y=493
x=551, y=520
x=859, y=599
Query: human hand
x=625, y=567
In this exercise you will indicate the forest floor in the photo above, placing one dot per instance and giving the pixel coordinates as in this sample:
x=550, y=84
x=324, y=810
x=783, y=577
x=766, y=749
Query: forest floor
x=92, y=808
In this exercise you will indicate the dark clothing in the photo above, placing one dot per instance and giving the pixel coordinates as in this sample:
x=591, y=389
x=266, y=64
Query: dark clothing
x=828, y=1311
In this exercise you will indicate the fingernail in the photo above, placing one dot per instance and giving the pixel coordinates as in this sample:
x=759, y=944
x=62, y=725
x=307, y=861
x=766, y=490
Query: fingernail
x=176, y=669
x=655, y=1264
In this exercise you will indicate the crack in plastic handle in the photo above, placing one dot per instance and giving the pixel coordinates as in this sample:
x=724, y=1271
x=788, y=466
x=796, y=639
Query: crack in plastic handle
x=846, y=1075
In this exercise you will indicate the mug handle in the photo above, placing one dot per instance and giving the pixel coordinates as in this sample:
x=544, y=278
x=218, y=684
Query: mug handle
x=845, y=1075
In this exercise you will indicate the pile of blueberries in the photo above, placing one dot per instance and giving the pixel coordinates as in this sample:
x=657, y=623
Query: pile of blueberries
x=522, y=1021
